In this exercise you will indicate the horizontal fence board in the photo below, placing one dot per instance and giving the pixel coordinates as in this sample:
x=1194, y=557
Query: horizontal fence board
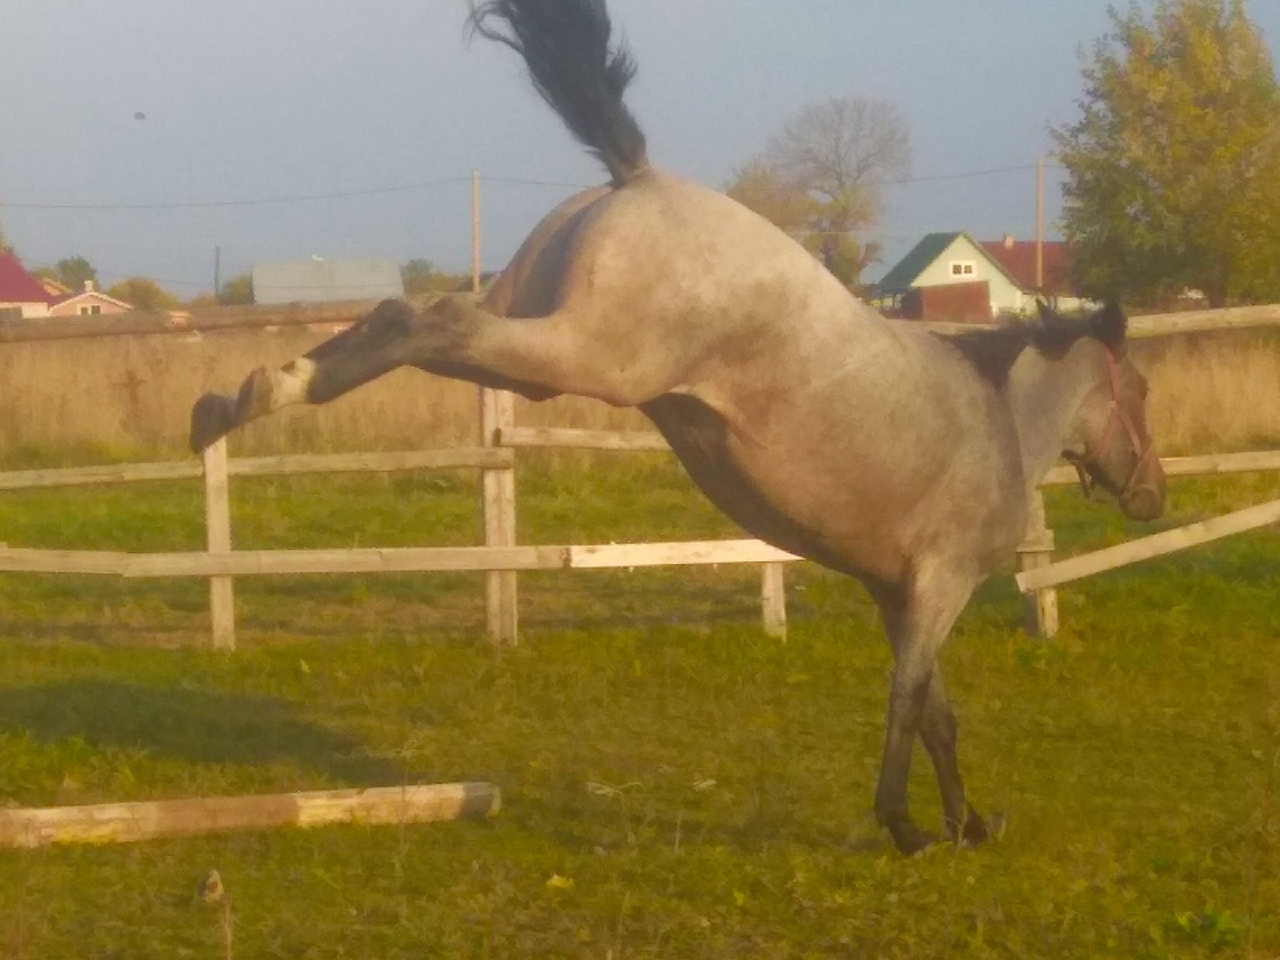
x=16, y=560
x=1204, y=465
x=1146, y=548
x=391, y=560
x=149, y=820
x=574, y=439
x=674, y=554
x=291, y=464
x=459, y=457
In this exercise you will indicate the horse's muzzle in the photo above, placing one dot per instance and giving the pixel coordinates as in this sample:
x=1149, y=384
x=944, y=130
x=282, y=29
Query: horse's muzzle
x=1143, y=496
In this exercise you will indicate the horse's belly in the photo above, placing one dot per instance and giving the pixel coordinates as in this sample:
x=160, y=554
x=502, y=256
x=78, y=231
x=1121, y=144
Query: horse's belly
x=765, y=503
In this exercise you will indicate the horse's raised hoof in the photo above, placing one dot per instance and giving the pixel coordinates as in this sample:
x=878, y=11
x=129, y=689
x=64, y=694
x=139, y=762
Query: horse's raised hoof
x=212, y=417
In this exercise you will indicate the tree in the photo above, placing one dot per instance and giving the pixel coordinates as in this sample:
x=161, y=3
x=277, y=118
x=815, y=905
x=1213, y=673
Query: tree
x=422, y=277
x=71, y=272
x=143, y=294
x=238, y=291
x=1171, y=168
x=822, y=178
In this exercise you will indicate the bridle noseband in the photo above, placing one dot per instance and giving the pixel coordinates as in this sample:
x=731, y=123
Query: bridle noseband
x=1118, y=420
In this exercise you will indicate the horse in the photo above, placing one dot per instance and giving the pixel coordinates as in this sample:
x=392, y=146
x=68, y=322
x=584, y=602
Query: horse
x=871, y=446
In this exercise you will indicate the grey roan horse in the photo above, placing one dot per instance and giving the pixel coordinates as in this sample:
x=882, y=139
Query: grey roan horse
x=873, y=447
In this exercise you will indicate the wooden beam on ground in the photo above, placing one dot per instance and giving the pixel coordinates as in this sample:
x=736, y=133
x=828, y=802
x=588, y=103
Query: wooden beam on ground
x=150, y=820
x=1147, y=547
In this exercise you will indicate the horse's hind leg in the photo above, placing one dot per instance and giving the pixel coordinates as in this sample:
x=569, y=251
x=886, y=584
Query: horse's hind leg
x=454, y=337
x=938, y=732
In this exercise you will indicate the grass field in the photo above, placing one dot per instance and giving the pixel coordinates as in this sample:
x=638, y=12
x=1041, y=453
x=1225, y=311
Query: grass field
x=675, y=785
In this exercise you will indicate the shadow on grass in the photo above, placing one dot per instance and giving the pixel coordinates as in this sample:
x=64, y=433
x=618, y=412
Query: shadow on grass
x=198, y=726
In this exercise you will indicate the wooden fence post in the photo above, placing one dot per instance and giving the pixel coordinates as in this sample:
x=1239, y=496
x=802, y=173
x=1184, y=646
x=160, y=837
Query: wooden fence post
x=1040, y=609
x=773, y=600
x=498, y=507
x=217, y=519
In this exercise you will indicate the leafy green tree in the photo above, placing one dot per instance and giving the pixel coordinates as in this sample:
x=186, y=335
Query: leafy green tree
x=822, y=178
x=419, y=276
x=238, y=291
x=1172, y=165
x=422, y=277
x=71, y=272
x=143, y=294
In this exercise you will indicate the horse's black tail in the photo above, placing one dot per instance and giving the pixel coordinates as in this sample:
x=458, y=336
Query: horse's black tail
x=566, y=46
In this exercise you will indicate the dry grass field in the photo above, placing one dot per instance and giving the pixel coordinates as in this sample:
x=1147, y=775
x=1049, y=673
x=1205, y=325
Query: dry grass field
x=129, y=398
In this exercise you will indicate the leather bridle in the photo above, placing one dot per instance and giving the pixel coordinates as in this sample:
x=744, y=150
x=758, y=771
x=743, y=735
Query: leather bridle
x=1118, y=421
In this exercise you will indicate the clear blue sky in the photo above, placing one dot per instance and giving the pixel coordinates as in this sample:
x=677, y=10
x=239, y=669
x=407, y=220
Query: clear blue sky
x=252, y=101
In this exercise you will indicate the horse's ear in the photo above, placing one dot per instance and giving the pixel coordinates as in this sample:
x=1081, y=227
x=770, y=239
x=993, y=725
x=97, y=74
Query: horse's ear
x=1109, y=325
x=1045, y=311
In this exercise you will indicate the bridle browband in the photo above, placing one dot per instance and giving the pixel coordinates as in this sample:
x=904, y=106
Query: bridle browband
x=1118, y=420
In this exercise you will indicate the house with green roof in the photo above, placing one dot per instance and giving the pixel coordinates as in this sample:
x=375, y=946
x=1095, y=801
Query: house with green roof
x=1007, y=267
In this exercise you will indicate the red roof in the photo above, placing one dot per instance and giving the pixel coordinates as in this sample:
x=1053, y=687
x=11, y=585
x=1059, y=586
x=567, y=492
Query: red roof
x=18, y=286
x=1018, y=258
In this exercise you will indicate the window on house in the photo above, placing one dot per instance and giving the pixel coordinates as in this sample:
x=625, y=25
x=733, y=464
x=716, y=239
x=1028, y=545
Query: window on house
x=962, y=268
x=90, y=310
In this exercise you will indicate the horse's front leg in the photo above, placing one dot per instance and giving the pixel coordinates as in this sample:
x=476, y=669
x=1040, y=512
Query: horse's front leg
x=938, y=732
x=918, y=622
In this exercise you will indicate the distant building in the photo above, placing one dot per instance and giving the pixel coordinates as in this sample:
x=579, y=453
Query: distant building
x=323, y=281
x=20, y=291
x=1006, y=267
x=89, y=302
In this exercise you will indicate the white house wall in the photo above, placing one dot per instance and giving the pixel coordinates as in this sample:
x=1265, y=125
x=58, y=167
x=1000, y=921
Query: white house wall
x=1005, y=295
x=30, y=311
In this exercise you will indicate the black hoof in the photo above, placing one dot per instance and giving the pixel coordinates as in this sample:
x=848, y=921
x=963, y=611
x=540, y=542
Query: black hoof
x=976, y=830
x=212, y=417
x=910, y=839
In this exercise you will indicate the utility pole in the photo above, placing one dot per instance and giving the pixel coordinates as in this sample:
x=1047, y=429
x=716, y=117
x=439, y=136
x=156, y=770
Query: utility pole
x=1040, y=224
x=475, y=231
x=217, y=274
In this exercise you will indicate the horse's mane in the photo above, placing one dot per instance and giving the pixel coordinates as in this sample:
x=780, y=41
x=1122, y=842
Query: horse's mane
x=993, y=352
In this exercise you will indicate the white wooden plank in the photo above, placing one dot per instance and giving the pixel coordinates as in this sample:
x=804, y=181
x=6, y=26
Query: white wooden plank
x=607, y=555
x=571, y=438
x=147, y=820
x=1147, y=547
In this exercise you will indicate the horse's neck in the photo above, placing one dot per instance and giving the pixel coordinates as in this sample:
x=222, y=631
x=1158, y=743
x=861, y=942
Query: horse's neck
x=1045, y=396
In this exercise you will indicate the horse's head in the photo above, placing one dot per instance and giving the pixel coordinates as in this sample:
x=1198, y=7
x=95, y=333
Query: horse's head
x=1109, y=444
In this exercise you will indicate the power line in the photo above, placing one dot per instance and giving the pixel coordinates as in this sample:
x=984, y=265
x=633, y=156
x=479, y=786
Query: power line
x=431, y=184
x=260, y=202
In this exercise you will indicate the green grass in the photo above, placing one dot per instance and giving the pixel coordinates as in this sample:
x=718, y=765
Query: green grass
x=674, y=784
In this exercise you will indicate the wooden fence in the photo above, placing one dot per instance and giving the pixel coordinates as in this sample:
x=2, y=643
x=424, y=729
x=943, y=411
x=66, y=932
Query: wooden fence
x=500, y=556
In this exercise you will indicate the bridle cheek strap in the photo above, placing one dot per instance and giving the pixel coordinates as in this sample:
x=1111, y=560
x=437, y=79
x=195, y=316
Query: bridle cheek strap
x=1116, y=416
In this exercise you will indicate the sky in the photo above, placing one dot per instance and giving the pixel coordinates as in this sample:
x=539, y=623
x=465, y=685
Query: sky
x=145, y=134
